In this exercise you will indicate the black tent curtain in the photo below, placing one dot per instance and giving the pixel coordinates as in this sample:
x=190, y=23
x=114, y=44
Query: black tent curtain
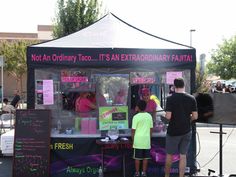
x=217, y=108
x=153, y=59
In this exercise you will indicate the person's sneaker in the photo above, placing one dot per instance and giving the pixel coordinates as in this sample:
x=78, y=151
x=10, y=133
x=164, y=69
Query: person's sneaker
x=144, y=174
x=136, y=174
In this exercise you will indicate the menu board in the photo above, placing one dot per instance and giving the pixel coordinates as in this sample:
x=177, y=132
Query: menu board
x=113, y=117
x=32, y=143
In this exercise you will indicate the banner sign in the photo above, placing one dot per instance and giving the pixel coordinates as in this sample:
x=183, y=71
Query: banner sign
x=113, y=117
x=118, y=57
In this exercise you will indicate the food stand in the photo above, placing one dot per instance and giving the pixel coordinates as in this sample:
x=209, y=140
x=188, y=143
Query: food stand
x=105, y=59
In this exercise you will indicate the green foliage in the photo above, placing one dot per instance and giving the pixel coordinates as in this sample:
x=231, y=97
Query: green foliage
x=223, y=60
x=14, y=53
x=74, y=15
x=202, y=85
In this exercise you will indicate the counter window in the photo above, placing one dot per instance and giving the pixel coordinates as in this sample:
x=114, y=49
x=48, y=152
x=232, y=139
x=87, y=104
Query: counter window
x=86, y=102
x=114, y=87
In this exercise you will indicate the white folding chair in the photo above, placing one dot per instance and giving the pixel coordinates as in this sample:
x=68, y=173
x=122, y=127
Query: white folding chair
x=7, y=121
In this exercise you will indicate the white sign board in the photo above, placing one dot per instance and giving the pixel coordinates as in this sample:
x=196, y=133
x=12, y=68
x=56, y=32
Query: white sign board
x=48, y=98
x=171, y=76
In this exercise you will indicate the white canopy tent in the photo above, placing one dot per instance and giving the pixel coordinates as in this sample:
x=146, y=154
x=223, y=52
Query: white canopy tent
x=108, y=46
x=109, y=43
x=112, y=32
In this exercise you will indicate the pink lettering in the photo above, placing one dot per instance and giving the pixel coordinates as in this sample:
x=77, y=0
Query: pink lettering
x=189, y=58
x=181, y=58
x=62, y=58
x=143, y=80
x=107, y=57
x=115, y=57
x=124, y=57
x=36, y=57
x=74, y=79
x=118, y=146
x=84, y=57
x=46, y=58
x=107, y=113
x=101, y=57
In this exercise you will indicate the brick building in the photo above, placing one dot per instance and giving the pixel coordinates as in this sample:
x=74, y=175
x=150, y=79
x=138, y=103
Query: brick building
x=44, y=33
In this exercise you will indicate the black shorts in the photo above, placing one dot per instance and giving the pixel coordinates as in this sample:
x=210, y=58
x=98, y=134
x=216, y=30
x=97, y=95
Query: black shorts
x=141, y=154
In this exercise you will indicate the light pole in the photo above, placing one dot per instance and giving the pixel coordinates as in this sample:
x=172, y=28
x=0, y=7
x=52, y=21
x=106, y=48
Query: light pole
x=191, y=31
x=1, y=64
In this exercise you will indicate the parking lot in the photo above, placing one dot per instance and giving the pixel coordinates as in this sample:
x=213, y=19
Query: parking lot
x=208, y=149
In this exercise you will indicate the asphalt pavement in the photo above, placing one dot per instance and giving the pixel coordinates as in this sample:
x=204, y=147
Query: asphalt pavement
x=5, y=166
x=207, y=152
x=208, y=147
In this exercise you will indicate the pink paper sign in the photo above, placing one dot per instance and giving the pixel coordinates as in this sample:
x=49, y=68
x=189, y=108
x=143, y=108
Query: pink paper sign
x=74, y=79
x=143, y=80
x=48, y=98
x=171, y=76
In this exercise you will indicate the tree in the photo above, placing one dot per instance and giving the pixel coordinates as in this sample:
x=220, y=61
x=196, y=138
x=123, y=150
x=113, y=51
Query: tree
x=75, y=15
x=14, y=53
x=201, y=83
x=223, y=60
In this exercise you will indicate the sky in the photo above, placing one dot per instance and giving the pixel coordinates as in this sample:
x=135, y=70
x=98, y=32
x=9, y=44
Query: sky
x=212, y=20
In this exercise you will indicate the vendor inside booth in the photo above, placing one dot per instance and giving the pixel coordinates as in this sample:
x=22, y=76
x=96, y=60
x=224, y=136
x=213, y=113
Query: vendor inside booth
x=87, y=101
x=92, y=90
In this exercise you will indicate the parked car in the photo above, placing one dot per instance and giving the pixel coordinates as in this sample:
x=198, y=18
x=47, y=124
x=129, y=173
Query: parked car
x=233, y=87
x=230, y=82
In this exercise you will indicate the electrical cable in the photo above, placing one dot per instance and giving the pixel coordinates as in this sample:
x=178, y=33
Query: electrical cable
x=218, y=150
x=199, y=150
x=199, y=144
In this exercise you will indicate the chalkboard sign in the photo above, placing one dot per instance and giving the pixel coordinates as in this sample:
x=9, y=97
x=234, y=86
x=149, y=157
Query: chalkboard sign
x=32, y=143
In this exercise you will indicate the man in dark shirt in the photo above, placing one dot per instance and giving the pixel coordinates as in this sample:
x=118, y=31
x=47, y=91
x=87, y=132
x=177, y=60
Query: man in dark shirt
x=181, y=109
x=16, y=99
